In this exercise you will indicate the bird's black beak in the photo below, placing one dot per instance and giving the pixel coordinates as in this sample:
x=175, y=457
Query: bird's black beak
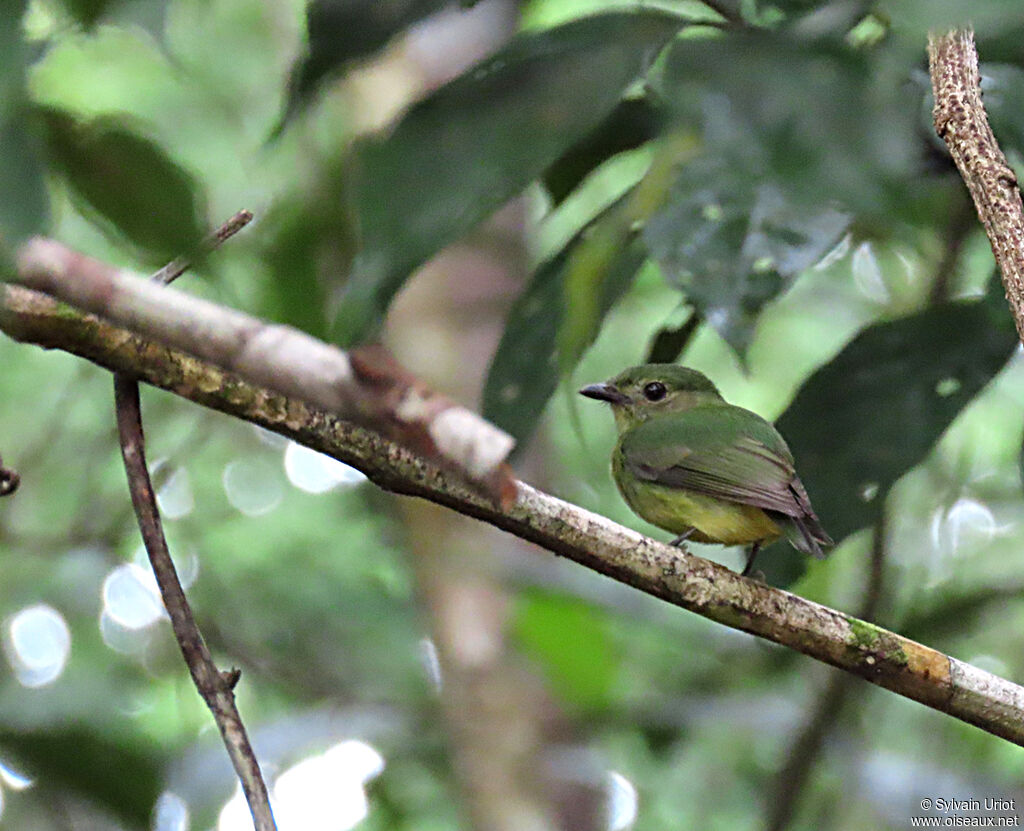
x=604, y=392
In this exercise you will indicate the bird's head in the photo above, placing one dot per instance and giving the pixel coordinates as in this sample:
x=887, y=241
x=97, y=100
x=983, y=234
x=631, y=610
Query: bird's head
x=640, y=392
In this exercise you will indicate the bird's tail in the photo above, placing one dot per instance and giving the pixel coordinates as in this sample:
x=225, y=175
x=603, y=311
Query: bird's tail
x=807, y=535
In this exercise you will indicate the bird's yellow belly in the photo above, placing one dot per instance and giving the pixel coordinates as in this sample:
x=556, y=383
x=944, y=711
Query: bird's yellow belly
x=713, y=520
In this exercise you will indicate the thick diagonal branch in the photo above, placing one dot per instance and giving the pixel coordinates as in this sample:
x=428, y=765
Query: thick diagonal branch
x=882, y=657
x=961, y=121
x=364, y=385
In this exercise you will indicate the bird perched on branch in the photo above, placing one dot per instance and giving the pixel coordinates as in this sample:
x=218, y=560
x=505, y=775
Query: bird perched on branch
x=699, y=467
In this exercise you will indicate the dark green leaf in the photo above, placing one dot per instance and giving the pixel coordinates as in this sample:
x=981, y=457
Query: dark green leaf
x=13, y=53
x=341, y=31
x=524, y=371
x=876, y=410
x=733, y=244
x=309, y=242
x=824, y=122
x=123, y=777
x=88, y=12
x=475, y=143
x=634, y=122
x=128, y=182
x=669, y=343
x=24, y=201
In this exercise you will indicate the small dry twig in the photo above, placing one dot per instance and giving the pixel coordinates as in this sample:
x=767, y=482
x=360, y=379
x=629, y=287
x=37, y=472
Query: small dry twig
x=215, y=687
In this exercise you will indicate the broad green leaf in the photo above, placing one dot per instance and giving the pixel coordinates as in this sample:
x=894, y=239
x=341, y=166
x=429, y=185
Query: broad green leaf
x=478, y=141
x=13, y=53
x=876, y=410
x=820, y=120
x=308, y=243
x=120, y=776
x=24, y=201
x=634, y=122
x=571, y=642
x=342, y=31
x=596, y=257
x=88, y=12
x=128, y=182
x=525, y=369
x=733, y=243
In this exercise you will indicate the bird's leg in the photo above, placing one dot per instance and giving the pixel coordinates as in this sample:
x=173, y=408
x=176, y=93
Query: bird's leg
x=750, y=559
x=678, y=541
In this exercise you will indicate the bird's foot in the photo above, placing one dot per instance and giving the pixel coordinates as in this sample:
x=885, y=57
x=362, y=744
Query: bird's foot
x=750, y=560
x=678, y=541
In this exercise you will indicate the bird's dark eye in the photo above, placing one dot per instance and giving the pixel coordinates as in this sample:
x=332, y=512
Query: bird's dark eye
x=654, y=391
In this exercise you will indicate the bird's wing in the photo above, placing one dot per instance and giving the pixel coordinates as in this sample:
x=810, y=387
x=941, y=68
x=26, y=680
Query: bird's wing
x=722, y=451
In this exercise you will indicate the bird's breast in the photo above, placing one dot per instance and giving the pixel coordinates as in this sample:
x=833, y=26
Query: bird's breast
x=677, y=510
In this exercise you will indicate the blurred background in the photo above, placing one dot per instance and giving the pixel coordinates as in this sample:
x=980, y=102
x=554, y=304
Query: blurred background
x=517, y=199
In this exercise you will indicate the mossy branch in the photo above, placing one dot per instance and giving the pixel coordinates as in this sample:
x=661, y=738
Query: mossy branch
x=877, y=655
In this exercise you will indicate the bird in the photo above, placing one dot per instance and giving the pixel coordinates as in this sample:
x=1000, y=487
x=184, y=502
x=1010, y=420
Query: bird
x=692, y=464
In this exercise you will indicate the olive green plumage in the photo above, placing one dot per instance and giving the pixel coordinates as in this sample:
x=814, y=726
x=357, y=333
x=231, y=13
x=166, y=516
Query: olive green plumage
x=693, y=464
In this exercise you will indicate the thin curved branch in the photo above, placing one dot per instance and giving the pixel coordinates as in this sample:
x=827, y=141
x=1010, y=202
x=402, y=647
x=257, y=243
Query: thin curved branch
x=882, y=657
x=961, y=121
x=215, y=687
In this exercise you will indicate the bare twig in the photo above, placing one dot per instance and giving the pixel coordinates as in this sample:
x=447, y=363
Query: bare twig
x=173, y=270
x=9, y=480
x=882, y=657
x=363, y=385
x=960, y=120
x=215, y=687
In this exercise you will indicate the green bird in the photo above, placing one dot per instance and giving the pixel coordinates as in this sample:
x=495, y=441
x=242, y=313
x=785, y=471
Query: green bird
x=699, y=467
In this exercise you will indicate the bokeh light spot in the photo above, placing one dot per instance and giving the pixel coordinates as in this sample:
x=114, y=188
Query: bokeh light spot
x=175, y=498
x=130, y=598
x=170, y=813
x=38, y=644
x=252, y=486
x=622, y=802
x=325, y=792
x=316, y=472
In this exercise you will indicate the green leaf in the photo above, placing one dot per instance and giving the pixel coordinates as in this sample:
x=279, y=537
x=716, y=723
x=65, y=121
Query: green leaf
x=824, y=122
x=876, y=410
x=128, y=182
x=88, y=12
x=634, y=122
x=24, y=200
x=342, y=31
x=733, y=243
x=524, y=371
x=571, y=641
x=309, y=241
x=123, y=777
x=472, y=145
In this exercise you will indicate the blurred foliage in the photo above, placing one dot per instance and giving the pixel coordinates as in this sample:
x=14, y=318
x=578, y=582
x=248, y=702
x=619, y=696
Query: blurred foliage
x=761, y=193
